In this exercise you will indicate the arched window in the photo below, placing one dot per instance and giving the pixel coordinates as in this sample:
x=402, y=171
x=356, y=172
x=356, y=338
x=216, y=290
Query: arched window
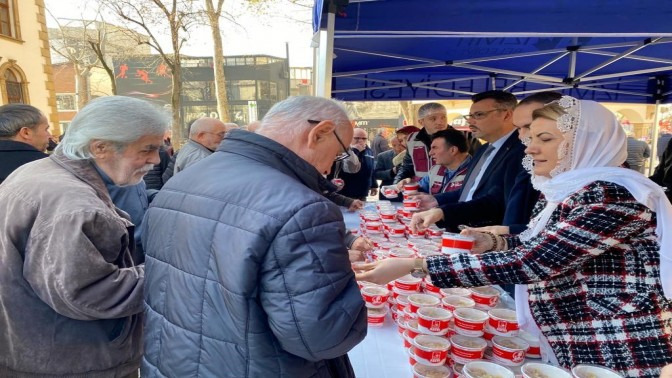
x=13, y=84
x=14, y=88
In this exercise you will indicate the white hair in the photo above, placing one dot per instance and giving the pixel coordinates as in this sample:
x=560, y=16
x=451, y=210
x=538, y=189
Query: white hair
x=289, y=118
x=119, y=120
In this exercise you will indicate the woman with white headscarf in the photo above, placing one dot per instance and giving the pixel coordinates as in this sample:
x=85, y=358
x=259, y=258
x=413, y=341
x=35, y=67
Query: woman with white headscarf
x=596, y=256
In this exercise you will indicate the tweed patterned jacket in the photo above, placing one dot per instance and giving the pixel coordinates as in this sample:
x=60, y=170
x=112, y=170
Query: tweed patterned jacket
x=593, y=281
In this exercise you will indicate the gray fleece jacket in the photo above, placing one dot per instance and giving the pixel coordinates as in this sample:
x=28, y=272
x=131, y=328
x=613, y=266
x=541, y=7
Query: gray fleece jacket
x=70, y=293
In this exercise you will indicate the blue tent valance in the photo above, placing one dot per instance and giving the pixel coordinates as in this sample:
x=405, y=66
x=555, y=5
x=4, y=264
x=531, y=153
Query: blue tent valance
x=616, y=50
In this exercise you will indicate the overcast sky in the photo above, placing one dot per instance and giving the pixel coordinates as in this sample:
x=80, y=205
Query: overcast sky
x=255, y=35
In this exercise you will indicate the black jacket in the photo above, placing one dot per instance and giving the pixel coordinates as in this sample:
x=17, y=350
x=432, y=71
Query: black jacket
x=154, y=178
x=489, y=201
x=15, y=154
x=357, y=185
x=663, y=173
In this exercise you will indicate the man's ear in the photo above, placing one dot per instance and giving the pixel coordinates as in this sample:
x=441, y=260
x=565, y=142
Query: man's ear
x=25, y=133
x=99, y=149
x=320, y=133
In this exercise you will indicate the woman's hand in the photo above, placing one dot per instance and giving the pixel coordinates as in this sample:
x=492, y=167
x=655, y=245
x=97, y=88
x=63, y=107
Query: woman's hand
x=383, y=271
x=424, y=219
x=482, y=241
x=497, y=230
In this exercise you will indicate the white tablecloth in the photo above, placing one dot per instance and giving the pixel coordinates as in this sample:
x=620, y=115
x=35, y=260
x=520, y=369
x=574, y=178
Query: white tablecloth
x=381, y=354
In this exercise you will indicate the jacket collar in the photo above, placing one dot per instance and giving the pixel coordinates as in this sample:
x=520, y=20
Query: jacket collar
x=12, y=145
x=85, y=171
x=273, y=154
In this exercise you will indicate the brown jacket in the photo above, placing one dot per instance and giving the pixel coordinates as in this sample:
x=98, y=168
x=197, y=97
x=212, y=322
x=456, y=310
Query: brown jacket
x=70, y=294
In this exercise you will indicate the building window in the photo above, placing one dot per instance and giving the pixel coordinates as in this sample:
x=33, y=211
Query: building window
x=66, y=102
x=14, y=88
x=242, y=90
x=8, y=19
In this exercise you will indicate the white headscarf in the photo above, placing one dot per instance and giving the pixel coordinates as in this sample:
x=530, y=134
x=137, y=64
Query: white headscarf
x=595, y=146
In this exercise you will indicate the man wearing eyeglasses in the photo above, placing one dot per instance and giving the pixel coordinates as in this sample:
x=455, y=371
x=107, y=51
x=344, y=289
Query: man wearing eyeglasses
x=254, y=278
x=492, y=173
x=360, y=184
x=205, y=134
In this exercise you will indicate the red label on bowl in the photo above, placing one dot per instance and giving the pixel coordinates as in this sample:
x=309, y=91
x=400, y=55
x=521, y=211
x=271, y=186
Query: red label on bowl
x=490, y=301
x=513, y=356
x=467, y=354
x=376, y=319
x=469, y=326
x=434, y=325
x=435, y=356
x=449, y=242
x=503, y=326
x=534, y=351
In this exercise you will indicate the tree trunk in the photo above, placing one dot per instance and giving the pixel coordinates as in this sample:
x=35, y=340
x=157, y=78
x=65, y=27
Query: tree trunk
x=218, y=58
x=408, y=111
x=179, y=133
x=82, y=79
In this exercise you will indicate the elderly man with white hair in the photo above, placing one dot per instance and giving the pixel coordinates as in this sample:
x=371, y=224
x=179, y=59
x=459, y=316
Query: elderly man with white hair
x=254, y=278
x=70, y=291
x=205, y=134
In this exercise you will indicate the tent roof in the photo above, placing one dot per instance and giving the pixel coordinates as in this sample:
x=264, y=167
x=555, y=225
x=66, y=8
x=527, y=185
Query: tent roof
x=617, y=50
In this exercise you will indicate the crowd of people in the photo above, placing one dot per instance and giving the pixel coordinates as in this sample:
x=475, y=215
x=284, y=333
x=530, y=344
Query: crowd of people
x=230, y=257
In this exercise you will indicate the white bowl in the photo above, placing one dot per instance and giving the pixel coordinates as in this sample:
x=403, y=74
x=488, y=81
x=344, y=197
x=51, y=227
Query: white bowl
x=537, y=370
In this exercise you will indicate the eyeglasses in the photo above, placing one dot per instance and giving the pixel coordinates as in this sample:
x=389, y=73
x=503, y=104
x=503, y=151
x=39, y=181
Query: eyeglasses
x=346, y=152
x=360, y=138
x=480, y=115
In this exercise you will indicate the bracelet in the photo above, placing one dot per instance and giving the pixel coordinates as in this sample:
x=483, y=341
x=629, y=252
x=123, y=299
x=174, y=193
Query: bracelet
x=493, y=238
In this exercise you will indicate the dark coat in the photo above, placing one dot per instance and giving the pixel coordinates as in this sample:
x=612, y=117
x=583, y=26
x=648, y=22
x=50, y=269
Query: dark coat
x=154, y=178
x=253, y=279
x=520, y=203
x=15, y=154
x=489, y=201
x=663, y=173
x=357, y=185
x=384, y=170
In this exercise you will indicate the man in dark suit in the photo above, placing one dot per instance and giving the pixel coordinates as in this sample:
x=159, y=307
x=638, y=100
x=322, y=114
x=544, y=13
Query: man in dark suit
x=492, y=173
x=24, y=135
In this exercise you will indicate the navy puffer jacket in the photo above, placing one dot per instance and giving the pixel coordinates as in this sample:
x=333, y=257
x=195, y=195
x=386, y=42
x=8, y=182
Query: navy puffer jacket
x=253, y=278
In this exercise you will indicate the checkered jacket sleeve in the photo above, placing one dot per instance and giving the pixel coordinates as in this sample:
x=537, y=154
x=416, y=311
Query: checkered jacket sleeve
x=591, y=221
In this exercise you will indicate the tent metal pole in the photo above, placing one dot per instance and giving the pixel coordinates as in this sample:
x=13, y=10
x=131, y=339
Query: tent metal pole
x=616, y=58
x=325, y=59
x=598, y=89
x=632, y=57
x=388, y=69
x=654, y=138
x=397, y=56
x=564, y=54
x=543, y=90
x=627, y=73
x=572, y=60
x=509, y=72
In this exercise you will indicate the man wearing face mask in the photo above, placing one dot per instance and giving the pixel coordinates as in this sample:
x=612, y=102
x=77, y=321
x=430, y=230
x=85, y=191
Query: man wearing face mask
x=361, y=183
x=254, y=278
